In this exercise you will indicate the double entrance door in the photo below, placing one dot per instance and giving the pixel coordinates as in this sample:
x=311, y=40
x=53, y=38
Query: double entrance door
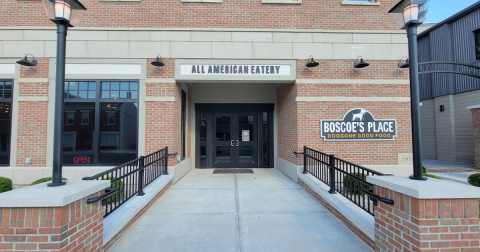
x=234, y=135
x=235, y=142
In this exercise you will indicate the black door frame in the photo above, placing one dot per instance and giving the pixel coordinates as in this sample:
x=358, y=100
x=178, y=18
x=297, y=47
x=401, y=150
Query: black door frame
x=229, y=107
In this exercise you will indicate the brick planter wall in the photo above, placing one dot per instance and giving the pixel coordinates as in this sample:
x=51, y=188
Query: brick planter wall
x=77, y=226
x=432, y=225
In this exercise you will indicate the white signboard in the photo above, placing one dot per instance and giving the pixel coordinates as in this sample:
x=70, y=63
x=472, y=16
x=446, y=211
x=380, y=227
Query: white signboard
x=237, y=69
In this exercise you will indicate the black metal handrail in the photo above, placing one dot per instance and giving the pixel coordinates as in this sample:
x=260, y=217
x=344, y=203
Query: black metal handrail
x=108, y=192
x=376, y=198
x=346, y=178
x=129, y=179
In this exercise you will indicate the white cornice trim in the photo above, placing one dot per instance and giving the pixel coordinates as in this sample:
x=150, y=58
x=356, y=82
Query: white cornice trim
x=160, y=80
x=33, y=98
x=203, y=29
x=30, y=80
x=160, y=99
x=351, y=81
x=351, y=99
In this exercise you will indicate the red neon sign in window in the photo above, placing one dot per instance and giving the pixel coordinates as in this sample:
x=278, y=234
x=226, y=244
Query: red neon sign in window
x=81, y=159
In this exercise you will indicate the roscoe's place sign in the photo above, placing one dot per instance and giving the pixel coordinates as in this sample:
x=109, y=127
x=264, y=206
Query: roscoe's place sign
x=358, y=125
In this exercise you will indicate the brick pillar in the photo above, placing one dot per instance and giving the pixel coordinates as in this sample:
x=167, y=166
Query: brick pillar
x=476, y=135
x=431, y=215
x=60, y=220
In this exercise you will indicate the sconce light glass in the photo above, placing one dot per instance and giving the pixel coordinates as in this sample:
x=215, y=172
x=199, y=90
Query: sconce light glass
x=311, y=62
x=360, y=64
x=26, y=62
x=405, y=64
x=158, y=62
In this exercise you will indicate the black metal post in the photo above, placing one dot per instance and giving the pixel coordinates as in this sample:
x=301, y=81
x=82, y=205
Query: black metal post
x=331, y=163
x=305, y=160
x=59, y=94
x=415, y=103
x=141, y=175
x=166, y=160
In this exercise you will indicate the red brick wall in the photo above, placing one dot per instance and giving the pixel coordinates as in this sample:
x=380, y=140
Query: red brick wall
x=343, y=69
x=360, y=152
x=167, y=71
x=309, y=114
x=163, y=119
x=32, y=116
x=476, y=136
x=75, y=227
x=287, y=123
x=38, y=71
x=32, y=133
x=311, y=14
x=432, y=225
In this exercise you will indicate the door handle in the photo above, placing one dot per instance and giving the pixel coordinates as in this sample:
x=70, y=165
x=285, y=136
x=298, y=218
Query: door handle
x=237, y=142
x=231, y=143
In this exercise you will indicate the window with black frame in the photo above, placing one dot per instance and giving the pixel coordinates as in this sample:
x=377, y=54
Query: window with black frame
x=100, y=122
x=477, y=44
x=6, y=90
x=184, y=118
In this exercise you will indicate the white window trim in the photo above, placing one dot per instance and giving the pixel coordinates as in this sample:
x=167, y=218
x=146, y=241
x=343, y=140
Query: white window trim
x=282, y=1
x=360, y=3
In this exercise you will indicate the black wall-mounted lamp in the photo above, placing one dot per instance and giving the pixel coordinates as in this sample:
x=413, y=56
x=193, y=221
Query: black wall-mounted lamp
x=311, y=62
x=405, y=64
x=158, y=62
x=442, y=108
x=26, y=62
x=360, y=64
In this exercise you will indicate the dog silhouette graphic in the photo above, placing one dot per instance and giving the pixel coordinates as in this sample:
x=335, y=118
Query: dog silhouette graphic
x=359, y=116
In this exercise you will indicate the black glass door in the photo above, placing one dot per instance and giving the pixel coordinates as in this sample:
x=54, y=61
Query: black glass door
x=236, y=140
x=223, y=133
x=246, y=142
x=234, y=135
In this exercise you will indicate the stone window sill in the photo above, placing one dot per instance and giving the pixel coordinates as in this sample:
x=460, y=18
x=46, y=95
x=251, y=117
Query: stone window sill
x=282, y=1
x=201, y=1
x=360, y=3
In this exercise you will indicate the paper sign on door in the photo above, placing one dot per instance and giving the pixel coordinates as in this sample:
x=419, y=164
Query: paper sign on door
x=246, y=135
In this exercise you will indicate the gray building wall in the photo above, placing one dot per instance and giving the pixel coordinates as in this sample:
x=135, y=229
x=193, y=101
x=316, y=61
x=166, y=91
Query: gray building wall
x=448, y=135
x=463, y=121
x=427, y=124
x=445, y=128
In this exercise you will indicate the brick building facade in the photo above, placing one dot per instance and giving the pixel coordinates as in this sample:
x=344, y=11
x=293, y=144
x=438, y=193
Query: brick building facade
x=108, y=66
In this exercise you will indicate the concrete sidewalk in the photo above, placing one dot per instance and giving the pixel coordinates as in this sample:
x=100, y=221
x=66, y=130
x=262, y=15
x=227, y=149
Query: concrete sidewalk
x=449, y=170
x=260, y=212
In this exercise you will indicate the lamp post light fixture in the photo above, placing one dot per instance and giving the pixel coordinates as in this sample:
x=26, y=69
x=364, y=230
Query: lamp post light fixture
x=26, y=62
x=409, y=14
x=64, y=13
x=360, y=64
